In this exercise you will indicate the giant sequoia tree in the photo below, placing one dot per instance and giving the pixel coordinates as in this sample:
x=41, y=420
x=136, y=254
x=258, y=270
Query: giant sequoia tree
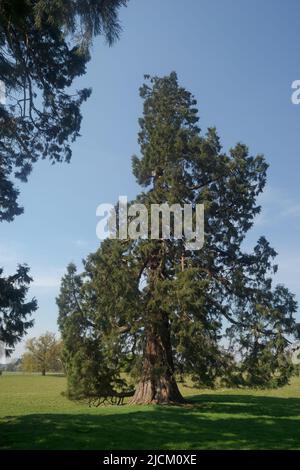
x=44, y=47
x=155, y=308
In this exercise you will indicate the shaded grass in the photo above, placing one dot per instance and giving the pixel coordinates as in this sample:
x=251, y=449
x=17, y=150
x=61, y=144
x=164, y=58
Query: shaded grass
x=34, y=415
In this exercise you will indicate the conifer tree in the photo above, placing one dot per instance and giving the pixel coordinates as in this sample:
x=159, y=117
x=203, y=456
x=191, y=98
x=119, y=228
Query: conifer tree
x=90, y=354
x=44, y=47
x=170, y=309
x=15, y=309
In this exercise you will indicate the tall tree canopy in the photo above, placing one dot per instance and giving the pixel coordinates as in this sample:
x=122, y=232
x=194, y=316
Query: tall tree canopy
x=44, y=47
x=156, y=307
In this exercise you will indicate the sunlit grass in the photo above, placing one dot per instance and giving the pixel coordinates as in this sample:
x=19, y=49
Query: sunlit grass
x=35, y=415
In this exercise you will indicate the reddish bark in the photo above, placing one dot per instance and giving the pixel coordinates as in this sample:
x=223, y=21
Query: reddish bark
x=158, y=384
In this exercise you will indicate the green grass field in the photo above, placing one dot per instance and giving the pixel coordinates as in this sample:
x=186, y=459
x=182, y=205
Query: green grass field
x=34, y=415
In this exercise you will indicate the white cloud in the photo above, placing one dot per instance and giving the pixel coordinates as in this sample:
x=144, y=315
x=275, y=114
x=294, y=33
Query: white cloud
x=48, y=278
x=81, y=243
x=276, y=204
x=292, y=209
x=46, y=281
x=8, y=255
x=289, y=269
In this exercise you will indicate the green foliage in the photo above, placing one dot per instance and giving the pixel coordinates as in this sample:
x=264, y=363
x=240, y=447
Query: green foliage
x=43, y=354
x=184, y=305
x=15, y=310
x=90, y=353
x=44, y=48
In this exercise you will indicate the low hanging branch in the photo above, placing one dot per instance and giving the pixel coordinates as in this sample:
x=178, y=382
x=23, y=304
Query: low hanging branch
x=113, y=398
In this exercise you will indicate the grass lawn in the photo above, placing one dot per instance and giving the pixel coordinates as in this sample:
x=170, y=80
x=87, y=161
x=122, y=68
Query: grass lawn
x=34, y=415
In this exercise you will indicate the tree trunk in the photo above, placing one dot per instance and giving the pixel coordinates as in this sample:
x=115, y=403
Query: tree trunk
x=158, y=384
x=43, y=371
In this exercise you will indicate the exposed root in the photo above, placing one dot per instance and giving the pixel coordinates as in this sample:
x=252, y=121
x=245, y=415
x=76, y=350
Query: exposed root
x=163, y=391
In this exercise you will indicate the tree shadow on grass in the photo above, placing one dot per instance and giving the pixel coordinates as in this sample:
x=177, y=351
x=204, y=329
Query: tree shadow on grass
x=248, y=404
x=210, y=422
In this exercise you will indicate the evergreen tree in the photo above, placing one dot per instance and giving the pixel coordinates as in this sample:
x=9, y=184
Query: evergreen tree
x=44, y=47
x=15, y=310
x=90, y=352
x=167, y=307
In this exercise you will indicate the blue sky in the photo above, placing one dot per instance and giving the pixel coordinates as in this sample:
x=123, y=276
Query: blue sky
x=239, y=58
